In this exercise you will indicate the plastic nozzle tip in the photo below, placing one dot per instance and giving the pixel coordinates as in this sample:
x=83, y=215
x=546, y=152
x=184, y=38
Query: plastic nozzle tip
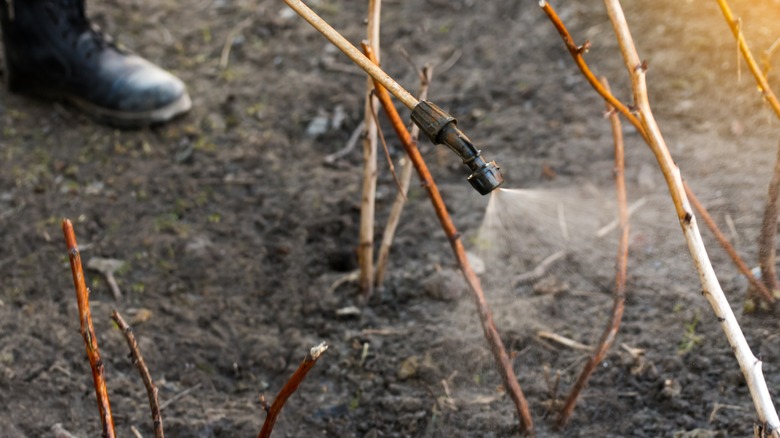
x=487, y=178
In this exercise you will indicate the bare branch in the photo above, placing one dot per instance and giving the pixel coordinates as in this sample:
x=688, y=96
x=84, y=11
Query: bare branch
x=289, y=388
x=87, y=331
x=610, y=332
x=151, y=390
x=368, y=199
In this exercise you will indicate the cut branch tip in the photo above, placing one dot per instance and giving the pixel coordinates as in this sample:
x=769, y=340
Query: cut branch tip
x=317, y=351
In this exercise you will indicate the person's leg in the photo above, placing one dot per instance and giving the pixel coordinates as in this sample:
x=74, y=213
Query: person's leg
x=52, y=50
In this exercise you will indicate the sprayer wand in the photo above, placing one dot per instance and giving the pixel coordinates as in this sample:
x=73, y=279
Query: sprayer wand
x=438, y=126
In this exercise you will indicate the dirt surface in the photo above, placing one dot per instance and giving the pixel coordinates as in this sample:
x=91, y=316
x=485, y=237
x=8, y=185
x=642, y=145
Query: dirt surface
x=233, y=228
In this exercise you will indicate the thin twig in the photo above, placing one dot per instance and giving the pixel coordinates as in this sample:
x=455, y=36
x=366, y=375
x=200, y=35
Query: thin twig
x=179, y=396
x=138, y=359
x=87, y=331
x=611, y=330
x=767, y=241
x=563, y=340
x=711, y=289
x=349, y=146
x=289, y=388
x=539, y=271
x=603, y=231
x=732, y=228
x=368, y=199
x=485, y=315
x=58, y=431
x=761, y=79
x=735, y=258
x=136, y=432
x=107, y=267
x=426, y=75
x=224, y=56
x=386, y=150
x=766, y=57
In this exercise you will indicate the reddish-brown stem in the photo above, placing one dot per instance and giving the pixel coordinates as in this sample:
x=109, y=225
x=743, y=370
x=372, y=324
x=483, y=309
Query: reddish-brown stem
x=289, y=388
x=151, y=390
x=406, y=177
x=608, y=337
x=485, y=315
x=87, y=331
x=767, y=242
x=761, y=80
x=741, y=266
x=576, y=52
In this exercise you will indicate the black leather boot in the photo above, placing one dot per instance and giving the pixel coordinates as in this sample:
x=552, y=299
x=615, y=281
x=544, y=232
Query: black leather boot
x=52, y=50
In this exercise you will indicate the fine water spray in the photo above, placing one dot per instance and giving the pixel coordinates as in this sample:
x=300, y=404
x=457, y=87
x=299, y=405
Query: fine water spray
x=438, y=126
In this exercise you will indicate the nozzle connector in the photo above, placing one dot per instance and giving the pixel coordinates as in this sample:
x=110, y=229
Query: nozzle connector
x=441, y=127
x=487, y=178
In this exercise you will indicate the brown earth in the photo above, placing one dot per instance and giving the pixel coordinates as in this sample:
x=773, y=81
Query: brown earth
x=233, y=228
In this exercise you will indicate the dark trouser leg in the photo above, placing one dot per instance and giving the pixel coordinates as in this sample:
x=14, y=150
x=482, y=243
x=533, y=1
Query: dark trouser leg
x=52, y=50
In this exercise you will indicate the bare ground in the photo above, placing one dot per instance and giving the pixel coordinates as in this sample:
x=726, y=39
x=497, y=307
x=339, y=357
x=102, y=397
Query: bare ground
x=233, y=228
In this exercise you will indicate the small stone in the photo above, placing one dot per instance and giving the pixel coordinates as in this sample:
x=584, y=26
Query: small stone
x=94, y=188
x=550, y=285
x=198, y=246
x=684, y=106
x=58, y=431
x=318, y=125
x=445, y=285
x=408, y=368
x=672, y=388
x=348, y=312
x=287, y=14
x=142, y=316
x=339, y=115
x=6, y=357
x=101, y=264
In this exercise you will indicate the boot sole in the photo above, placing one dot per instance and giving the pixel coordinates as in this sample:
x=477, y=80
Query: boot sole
x=116, y=118
x=129, y=119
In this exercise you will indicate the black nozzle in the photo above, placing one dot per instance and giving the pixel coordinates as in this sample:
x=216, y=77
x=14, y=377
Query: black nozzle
x=441, y=127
